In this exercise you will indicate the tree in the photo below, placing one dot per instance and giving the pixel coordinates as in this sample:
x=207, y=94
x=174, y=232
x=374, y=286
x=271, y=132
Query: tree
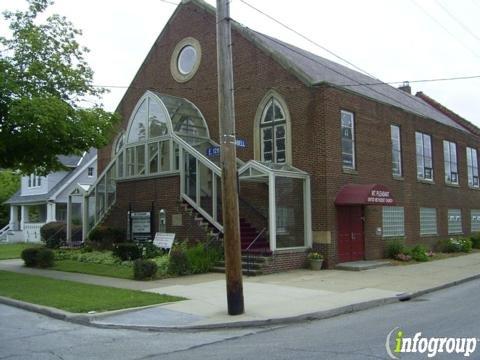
x=45, y=84
x=9, y=183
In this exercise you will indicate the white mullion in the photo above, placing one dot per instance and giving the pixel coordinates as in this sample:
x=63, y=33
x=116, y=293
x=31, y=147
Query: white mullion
x=181, y=167
x=214, y=196
x=272, y=218
x=197, y=182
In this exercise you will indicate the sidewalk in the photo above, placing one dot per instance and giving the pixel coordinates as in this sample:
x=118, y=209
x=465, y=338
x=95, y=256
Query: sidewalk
x=276, y=298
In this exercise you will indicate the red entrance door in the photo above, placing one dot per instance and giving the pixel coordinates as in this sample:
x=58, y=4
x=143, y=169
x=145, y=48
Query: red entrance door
x=350, y=233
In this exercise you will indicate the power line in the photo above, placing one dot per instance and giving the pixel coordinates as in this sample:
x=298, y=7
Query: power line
x=444, y=28
x=292, y=87
x=355, y=82
x=170, y=2
x=421, y=80
x=306, y=38
x=464, y=27
x=403, y=93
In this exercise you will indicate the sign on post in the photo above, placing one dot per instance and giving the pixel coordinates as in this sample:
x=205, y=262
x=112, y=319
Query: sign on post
x=213, y=151
x=141, y=226
x=164, y=240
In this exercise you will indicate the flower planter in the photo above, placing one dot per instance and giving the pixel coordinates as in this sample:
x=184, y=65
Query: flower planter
x=316, y=264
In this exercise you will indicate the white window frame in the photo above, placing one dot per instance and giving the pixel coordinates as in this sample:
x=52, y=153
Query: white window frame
x=90, y=171
x=423, y=157
x=475, y=220
x=454, y=218
x=450, y=162
x=396, y=141
x=352, y=139
x=427, y=221
x=273, y=125
x=393, y=228
x=472, y=168
x=34, y=181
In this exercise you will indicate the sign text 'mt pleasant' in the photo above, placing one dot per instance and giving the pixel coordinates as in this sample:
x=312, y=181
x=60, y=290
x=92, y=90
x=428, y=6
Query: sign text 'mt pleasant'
x=379, y=197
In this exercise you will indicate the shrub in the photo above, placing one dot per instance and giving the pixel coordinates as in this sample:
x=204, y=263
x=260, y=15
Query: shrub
x=419, y=253
x=45, y=258
x=127, y=251
x=178, y=262
x=144, y=269
x=394, y=248
x=475, y=239
x=449, y=246
x=466, y=244
x=29, y=256
x=201, y=259
x=104, y=237
x=162, y=264
x=54, y=234
x=455, y=245
x=151, y=250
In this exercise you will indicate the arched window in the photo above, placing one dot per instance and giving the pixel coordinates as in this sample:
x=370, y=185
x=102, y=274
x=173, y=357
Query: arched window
x=119, y=143
x=273, y=129
x=146, y=148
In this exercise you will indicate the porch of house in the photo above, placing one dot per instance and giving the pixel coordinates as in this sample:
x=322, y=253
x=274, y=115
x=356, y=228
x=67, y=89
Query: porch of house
x=26, y=220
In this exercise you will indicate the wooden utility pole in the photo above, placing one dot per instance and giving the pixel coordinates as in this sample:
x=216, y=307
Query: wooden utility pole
x=226, y=114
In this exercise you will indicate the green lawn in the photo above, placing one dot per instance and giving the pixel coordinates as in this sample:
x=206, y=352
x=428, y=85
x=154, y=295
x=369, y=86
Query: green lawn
x=72, y=296
x=13, y=251
x=116, y=271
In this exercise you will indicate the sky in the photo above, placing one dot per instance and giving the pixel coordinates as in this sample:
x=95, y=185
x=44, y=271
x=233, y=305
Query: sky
x=394, y=40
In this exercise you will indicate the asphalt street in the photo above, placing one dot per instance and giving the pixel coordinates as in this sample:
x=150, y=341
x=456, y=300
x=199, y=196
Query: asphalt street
x=453, y=312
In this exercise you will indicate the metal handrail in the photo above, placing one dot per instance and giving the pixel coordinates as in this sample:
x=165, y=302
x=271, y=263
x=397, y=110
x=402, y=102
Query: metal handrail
x=247, y=250
x=254, y=240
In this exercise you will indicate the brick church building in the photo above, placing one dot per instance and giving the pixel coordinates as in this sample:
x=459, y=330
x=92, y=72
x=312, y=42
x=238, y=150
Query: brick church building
x=328, y=158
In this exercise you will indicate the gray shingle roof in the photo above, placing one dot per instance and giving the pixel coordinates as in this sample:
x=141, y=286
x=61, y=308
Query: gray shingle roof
x=315, y=70
x=69, y=160
x=19, y=199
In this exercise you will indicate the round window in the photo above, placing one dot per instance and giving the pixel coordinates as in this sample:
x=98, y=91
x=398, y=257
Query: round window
x=185, y=59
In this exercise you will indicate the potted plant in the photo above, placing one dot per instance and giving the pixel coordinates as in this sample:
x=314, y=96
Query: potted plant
x=316, y=260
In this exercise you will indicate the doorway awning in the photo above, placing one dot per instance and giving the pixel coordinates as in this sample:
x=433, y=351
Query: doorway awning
x=364, y=194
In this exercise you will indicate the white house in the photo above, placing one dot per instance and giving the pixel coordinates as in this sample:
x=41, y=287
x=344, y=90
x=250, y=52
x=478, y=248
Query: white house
x=43, y=199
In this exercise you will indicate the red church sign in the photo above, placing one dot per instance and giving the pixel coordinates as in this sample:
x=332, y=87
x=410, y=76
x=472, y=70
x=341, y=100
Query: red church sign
x=380, y=197
x=364, y=194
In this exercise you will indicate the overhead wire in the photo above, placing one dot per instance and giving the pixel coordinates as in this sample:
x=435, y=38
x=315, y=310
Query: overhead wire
x=457, y=20
x=356, y=82
x=444, y=28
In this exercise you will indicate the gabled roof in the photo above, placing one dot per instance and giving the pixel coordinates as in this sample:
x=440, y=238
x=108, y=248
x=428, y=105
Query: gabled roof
x=314, y=70
x=452, y=115
x=69, y=160
x=17, y=198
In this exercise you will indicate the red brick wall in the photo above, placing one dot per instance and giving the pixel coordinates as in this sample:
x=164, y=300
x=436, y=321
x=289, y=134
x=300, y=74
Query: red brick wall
x=141, y=193
x=315, y=125
x=282, y=261
x=373, y=149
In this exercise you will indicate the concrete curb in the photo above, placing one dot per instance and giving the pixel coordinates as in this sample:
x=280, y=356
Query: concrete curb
x=444, y=286
x=86, y=319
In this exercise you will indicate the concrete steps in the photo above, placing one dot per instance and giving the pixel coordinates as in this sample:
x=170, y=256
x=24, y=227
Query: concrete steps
x=252, y=265
x=362, y=265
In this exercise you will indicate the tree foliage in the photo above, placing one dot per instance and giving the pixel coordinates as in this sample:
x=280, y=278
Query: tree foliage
x=45, y=85
x=9, y=184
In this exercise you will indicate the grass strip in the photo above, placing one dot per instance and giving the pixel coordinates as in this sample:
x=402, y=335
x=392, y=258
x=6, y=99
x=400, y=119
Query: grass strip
x=72, y=296
x=116, y=271
x=13, y=251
